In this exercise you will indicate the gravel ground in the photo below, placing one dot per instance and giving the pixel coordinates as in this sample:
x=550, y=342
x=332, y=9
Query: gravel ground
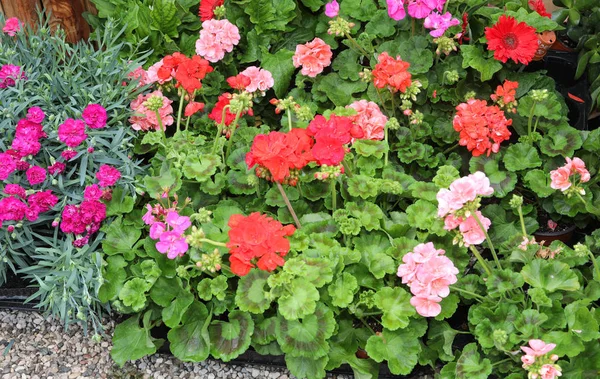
x=34, y=347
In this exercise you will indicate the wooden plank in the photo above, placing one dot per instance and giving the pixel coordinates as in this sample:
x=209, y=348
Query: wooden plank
x=67, y=15
x=24, y=10
x=1, y=10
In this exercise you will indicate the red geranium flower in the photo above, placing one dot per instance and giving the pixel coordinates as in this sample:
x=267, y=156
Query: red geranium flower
x=191, y=71
x=509, y=39
x=207, y=8
x=240, y=81
x=192, y=107
x=217, y=112
x=257, y=237
x=482, y=128
x=331, y=136
x=392, y=73
x=539, y=7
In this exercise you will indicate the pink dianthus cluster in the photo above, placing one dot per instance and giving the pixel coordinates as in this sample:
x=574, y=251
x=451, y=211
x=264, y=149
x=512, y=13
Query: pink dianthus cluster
x=14, y=208
x=313, y=56
x=73, y=132
x=453, y=205
x=428, y=273
x=537, y=361
x=9, y=74
x=11, y=26
x=145, y=119
x=216, y=38
x=561, y=177
x=369, y=118
x=168, y=227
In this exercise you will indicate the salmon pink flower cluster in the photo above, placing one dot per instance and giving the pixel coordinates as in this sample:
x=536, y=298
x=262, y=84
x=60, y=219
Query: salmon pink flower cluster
x=260, y=80
x=458, y=206
x=562, y=176
x=506, y=96
x=9, y=74
x=313, y=56
x=416, y=8
x=146, y=119
x=279, y=156
x=429, y=274
x=391, y=73
x=331, y=137
x=217, y=37
x=369, y=118
x=482, y=128
x=537, y=361
x=168, y=227
x=258, y=240
x=11, y=26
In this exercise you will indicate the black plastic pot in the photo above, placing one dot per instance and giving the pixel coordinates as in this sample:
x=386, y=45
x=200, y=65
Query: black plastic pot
x=564, y=236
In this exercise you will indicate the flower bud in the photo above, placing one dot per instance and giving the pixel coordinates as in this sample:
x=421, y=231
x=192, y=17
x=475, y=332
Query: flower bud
x=516, y=201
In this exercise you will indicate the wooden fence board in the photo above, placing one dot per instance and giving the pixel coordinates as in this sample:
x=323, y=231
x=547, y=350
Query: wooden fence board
x=24, y=10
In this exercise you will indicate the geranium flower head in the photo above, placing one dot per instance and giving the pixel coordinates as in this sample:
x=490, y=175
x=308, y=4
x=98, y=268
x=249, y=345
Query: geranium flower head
x=538, y=348
x=173, y=244
x=193, y=107
x=239, y=82
x=191, y=71
x=260, y=80
x=391, y=73
x=332, y=9
x=560, y=178
x=439, y=23
x=207, y=8
x=216, y=38
x=396, y=9
x=94, y=116
x=313, y=56
x=509, y=39
x=11, y=26
x=331, y=136
x=146, y=119
x=505, y=95
x=370, y=119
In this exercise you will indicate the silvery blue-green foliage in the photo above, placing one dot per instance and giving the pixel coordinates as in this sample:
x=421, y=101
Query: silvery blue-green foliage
x=63, y=79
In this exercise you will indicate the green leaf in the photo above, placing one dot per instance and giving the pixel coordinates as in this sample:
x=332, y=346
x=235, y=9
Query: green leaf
x=473, y=57
x=423, y=215
x=230, y=339
x=362, y=10
x=168, y=178
x=373, y=250
x=174, y=312
x=362, y=186
x=251, y=295
x=133, y=293
x=567, y=343
x=549, y=108
x=539, y=297
x=424, y=190
x=201, y=167
x=306, y=367
x=308, y=336
x=502, y=181
x=347, y=66
x=396, y=307
x=502, y=281
x=114, y=277
x=120, y=239
x=299, y=301
x=562, y=140
x=381, y=25
x=164, y=290
x=270, y=14
x=190, y=342
x=120, y=203
x=337, y=90
x=131, y=342
x=539, y=182
x=400, y=348
x=317, y=271
x=471, y=366
x=342, y=290
x=368, y=148
x=281, y=67
x=521, y=156
x=445, y=176
x=440, y=337
x=449, y=305
x=534, y=19
x=164, y=17
x=582, y=322
x=550, y=276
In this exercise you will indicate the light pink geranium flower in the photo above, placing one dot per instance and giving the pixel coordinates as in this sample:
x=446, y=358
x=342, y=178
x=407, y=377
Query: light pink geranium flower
x=12, y=26
x=560, y=178
x=396, y=9
x=549, y=371
x=427, y=306
x=145, y=119
x=260, y=80
x=370, y=119
x=538, y=348
x=332, y=9
x=439, y=23
x=470, y=230
x=578, y=166
x=313, y=56
x=216, y=38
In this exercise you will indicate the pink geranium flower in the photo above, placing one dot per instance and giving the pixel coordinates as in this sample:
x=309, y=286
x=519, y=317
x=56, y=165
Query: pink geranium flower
x=260, y=79
x=550, y=371
x=178, y=223
x=173, y=244
x=439, y=23
x=578, y=166
x=94, y=116
x=146, y=119
x=107, y=175
x=157, y=229
x=12, y=26
x=419, y=8
x=427, y=306
x=216, y=38
x=35, y=175
x=313, y=56
x=538, y=348
x=396, y=9
x=332, y=9
x=72, y=132
x=560, y=178
x=370, y=119
x=471, y=232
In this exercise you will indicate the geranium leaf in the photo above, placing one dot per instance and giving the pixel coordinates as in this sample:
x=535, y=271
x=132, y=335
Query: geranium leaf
x=306, y=337
x=190, y=342
x=342, y=290
x=336, y=89
x=164, y=17
x=470, y=365
x=251, y=295
x=317, y=271
x=502, y=181
x=521, y=156
x=362, y=186
x=582, y=322
x=539, y=182
x=369, y=214
x=230, y=339
x=174, y=312
x=502, y=281
x=550, y=276
x=164, y=290
x=473, y=57
x=201, y=167
x=281, y=67
x=347, y=66
x=396, y=307
x=373, y=250
x=440, y=337
x=114, y=278
x=449, y=306
x=562, y=140
x=363, y=10
x=306, y=367
x=567, y=343
x=133, y=293
x=131, y=342
x=445, y=176
x=300, y=300
x=423, y=215
x=120, y=239
x=381, y=25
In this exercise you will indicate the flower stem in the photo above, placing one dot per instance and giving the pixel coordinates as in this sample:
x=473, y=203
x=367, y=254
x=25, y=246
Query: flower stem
x=530, y=120
x=479, y=297
x=363, y=51
x=347, y=170
x=289, y=117
x=412, y=27
x=595, y=264
x=220, y=128
x=289, y=205
x=451, y=148
x=333, y=195
x=222, y=244
x=520, y=210
x=162, y=128
x=382, y=102
x=481, y=260
x=233, y=129
x=180, y=110
x=488, y=240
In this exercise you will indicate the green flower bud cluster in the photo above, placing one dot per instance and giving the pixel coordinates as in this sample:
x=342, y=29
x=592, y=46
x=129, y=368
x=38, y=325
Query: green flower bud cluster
x=349, y=226
x=416, y=118
x=367, y=298
x=539, y=94
x=366, y=75
x=500, y=336
x=154, y=103
x=202, y=216
x=340, y=26
x=412, y=91
x=390, y=186
x=329, y=172
x=304, y=113
x=516, y=201
x=220, y=11
x=582, y=250
x=194, y=239
x=210, y=262
x=451, y=77
x=470, y=95
x=392, y=124
x=240, y=102
x=445, y=45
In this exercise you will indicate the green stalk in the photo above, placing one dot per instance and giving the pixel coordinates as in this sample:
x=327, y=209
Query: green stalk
x=453, y=288
x=481, y=260
x=180, y=110
x=220, y=128
x=595, y=264
x=530, y=120
x=488, y=240
x=230, y=142
x=222, y=244
x=520, y=210
x=162, y=128
x=363, y=51
x=385, y=138
x=333, y=195
x=289, y=205
x=289, y=116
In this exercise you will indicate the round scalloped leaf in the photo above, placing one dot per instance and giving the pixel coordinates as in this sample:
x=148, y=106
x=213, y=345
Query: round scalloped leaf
x=470, y=365
x=521, y=156
x=399, y=348
x=318, y=271
x=538, y=181
x=362, y=186
x=445, y=176
x=201, y=167
x=449, y=306
x=190, y=342
x=368, y=148
x=396, y=307
x=306, y=337
x=423, y=215
x=133, y=293
x=251, y=295
x=342, y=290
x=305, y=367
x=299, y=300
x=501, y=181
x=562, y=140
x=230, y=339
x=264, y=330
x=550, y=276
